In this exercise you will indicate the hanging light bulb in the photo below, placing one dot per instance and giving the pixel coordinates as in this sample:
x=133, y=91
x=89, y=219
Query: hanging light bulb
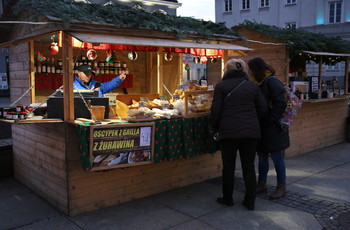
x=132, y=55
x=196, y=59
x=168, y=56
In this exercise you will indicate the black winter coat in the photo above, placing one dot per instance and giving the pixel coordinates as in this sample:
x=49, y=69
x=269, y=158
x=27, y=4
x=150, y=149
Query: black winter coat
x=238, y=117
x=274, y=138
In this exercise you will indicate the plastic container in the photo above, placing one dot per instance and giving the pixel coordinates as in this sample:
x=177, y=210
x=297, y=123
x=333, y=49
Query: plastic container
x=98, y=111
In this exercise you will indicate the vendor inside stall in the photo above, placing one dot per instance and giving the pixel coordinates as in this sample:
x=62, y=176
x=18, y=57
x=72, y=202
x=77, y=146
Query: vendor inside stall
x=84, y=81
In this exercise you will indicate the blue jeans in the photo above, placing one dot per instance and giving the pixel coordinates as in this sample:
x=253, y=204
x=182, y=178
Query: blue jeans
x=278, y=161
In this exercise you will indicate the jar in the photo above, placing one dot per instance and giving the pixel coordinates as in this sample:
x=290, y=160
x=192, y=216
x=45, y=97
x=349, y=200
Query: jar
x=124, y=65
x=101, y=64
x=106, y=71
x=60, y=63
x=9, y=115
x=117, y=64
x=19, y=108
x=15, y=115
x=126, y=70
x=22, y=115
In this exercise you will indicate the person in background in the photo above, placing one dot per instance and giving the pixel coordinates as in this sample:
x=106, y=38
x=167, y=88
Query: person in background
x=84, y=81
x=274, y=137
x=236, y=120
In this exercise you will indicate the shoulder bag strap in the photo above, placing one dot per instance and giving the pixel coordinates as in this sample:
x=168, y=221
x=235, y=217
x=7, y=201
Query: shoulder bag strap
x=234, y=89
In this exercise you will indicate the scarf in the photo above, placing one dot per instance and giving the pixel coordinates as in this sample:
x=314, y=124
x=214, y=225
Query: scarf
x=267, y=74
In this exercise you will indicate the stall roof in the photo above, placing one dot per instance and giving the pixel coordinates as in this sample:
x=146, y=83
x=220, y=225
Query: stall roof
x=142, y=41
x=326, y=54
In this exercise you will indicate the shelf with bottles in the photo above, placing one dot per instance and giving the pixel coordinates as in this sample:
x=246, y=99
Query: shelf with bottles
x=52, y=66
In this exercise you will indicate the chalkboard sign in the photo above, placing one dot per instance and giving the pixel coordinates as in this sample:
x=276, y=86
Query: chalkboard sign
x=124, y=145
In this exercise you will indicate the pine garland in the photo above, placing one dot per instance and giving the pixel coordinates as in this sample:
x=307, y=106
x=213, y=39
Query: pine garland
x=123, y=16
x=301, y=40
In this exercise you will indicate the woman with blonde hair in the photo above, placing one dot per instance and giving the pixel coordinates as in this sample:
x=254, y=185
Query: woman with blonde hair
x=236, y=109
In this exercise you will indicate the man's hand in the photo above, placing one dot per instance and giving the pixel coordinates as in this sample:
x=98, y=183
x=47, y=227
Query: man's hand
x=122, y=76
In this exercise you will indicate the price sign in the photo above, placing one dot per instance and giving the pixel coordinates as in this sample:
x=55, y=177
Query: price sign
x=115, y=146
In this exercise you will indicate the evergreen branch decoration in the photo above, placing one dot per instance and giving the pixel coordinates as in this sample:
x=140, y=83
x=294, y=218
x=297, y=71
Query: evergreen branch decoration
x=123, y=16
x=301, y=40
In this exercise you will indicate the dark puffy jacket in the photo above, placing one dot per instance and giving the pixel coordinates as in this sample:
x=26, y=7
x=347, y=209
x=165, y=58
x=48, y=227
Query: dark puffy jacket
x=104, y=87
x=273, y=137
x=238, y=117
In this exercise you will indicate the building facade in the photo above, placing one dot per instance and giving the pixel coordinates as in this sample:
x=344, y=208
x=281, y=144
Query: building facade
x=168, y=6
x=329, y=17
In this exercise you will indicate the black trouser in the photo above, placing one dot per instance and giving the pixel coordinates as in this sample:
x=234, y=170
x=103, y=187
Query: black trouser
x=247, y=151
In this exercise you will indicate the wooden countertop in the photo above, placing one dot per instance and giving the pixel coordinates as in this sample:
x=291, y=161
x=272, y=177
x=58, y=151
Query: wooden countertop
x=345, y=97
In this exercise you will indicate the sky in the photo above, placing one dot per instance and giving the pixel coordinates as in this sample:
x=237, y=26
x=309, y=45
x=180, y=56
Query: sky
x=200, y=9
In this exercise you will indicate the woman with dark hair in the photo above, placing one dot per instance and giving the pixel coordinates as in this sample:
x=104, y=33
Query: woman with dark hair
x=236, y=108
x=274, y=137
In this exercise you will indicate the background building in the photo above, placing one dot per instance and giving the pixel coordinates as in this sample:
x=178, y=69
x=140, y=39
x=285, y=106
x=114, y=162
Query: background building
x=330, y=17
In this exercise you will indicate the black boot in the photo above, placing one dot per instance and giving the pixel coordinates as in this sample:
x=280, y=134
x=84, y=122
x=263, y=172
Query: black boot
x=224, y=201
x=261, y=187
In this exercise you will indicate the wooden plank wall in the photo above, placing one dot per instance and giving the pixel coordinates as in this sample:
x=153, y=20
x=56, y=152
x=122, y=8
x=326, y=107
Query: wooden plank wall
x=39, y=160
x=274, y=55
x=318, y=125
x=94, y=190
x=19, y=72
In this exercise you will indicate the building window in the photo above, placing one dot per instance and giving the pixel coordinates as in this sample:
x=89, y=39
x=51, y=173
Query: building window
x=264, y=3
x=334, y=12
x=228, y=5
x=334, y=67
x=289, y=2
x=291, y=25
x=245, y=4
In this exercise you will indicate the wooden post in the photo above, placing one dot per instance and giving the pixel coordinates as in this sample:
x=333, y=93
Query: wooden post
x=224, y=59
x=67, y=57
x=31, y=71
x=181, y=68
x=320, y=73
x=346, y=76
x=160, y=71
x=149, y=73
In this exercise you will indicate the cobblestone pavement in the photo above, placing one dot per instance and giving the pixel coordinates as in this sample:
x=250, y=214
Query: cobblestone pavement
x=330, y=215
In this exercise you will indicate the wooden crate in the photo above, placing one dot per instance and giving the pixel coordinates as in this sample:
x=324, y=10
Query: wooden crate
x=198, y=103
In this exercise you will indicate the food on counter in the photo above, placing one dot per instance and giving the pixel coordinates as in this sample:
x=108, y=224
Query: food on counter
x=121, y=109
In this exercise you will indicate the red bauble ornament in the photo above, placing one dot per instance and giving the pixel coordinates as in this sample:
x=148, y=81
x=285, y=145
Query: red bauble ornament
x=53, y=48
x=91, y=54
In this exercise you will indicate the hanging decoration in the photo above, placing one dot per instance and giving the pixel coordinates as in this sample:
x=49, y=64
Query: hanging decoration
x=187, y=66
x=109, y=58
x=204, y=60
x=132, y=55
x=168, y=56
x=91, y=54
x=196, y=59
x=213, y=60
x=40, y=57
x=53, y=46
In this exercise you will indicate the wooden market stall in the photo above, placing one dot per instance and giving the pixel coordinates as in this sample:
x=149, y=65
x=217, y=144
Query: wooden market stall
x=56, y=163
x=321, y=122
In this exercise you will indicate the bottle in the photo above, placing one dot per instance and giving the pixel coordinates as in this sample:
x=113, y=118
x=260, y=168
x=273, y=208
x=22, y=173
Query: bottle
x=53, y=66
x=38, y=67
x=43, y=67
x=48, y=66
